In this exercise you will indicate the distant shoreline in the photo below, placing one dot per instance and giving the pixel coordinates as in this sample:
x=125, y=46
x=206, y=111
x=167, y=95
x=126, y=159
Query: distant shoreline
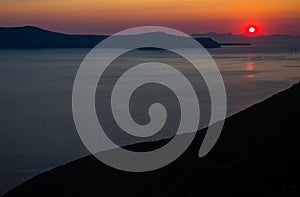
x=235, y=44
x=30, y=37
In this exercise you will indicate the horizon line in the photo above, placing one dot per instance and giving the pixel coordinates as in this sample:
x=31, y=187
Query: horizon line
x=101, y=34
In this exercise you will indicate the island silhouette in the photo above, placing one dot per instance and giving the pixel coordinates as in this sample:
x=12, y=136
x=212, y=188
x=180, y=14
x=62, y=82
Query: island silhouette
x=30, y=37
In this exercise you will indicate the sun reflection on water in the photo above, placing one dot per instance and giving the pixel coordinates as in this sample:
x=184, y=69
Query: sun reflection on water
x=250, y=67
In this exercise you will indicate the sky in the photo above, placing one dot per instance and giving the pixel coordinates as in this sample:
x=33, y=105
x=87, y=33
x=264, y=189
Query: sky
x=189, y=16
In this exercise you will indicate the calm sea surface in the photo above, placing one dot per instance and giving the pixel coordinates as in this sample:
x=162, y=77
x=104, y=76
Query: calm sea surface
x=37, y=131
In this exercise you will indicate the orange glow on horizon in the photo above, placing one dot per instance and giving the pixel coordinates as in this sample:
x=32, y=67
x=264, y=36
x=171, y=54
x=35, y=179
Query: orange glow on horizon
x=191, y=16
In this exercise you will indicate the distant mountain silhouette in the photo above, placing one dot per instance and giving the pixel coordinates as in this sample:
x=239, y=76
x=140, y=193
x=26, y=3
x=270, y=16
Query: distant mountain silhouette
x=32, y=37
x=256, y=155
x=29, y=37
x=257, y=39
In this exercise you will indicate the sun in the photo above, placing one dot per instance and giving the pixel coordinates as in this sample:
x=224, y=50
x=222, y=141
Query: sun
x=251, y=29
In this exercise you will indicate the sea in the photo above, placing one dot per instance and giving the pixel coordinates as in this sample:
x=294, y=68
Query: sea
x=37, y=130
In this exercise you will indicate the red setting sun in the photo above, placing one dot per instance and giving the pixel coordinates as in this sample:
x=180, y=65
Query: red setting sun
x=251, y=30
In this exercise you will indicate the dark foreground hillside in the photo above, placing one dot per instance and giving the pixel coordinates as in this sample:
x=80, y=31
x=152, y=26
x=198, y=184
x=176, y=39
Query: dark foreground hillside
x=258, y=154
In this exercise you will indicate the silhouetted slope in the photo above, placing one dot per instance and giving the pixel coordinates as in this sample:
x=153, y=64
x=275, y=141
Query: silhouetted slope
x=208, y=42
x=30, y=37
x=256, y=155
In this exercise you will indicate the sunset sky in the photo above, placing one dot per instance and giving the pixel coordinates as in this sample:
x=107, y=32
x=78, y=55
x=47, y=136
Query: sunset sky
x=190, y=16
